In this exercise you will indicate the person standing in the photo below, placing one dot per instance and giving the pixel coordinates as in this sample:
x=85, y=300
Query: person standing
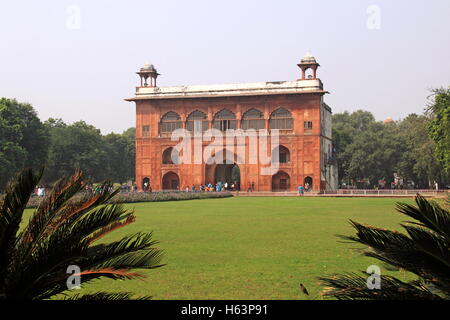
x=300, y=190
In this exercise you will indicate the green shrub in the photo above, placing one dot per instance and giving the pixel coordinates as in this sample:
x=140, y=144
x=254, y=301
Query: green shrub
x=131, y=197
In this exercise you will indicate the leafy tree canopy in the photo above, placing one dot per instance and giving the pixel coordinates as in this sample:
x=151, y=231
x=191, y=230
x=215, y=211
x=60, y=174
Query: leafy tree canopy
x=439, y=126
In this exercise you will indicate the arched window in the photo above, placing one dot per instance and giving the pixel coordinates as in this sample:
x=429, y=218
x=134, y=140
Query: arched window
x=281, y=119
x=253, y=119
x=308, y=183
x=146, y=184
x=284, y=156
x=224, y=120
x=170, y=122
x=197, y=122
x=170, y=156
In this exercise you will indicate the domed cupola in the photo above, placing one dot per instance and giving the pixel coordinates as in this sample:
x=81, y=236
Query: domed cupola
x=148, y=71
x=308, y=62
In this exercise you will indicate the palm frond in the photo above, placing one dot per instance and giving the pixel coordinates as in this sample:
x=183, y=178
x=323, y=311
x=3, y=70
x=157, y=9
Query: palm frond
x=61, y=233
x=65, y=246
x=12, y=207
x=429, y=214
x=431, y=244
x=424, y=250
x=397, y=249
x=106, y=296
x=62, y=192
x=52, y=284
x=124, y=221
x=135, y=251
x=354, y=287
x=42, y=227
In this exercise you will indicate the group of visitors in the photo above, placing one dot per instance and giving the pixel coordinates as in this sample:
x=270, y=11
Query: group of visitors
x=251, y=187
x=218, y=187
x=89, y=188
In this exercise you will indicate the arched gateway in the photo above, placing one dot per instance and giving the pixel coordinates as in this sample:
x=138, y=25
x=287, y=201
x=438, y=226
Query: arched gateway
x=170, y=181
x=281, y=181
x=225, y=171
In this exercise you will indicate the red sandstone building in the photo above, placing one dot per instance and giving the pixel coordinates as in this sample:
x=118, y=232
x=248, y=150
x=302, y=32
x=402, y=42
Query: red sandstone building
x=296, y=108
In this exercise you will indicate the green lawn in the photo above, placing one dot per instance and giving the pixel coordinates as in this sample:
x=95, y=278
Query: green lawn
x=251, y=248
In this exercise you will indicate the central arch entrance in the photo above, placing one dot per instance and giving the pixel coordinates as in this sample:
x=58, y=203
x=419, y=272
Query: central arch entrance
x=227, y=171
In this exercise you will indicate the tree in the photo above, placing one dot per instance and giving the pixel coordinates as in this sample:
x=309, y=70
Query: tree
x=439, y=127
x=419, y=162
x=424, y=250
x=24, y=140
x=63, y=232
x=121, y=153
x=76, y=146
x=346, y=127
x=366, y=150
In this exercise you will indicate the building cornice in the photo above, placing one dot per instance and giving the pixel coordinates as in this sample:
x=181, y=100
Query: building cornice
x=230, y=90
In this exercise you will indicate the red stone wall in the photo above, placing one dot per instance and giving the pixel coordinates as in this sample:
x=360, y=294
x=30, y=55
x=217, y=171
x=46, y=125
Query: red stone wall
x=304, y=146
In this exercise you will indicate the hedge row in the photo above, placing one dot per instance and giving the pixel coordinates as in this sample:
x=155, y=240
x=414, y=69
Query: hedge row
x=132, y=197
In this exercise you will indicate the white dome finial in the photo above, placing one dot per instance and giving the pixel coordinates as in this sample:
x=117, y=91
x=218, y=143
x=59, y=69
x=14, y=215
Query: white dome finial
x=148, y=67
x=308, y=58
x=308, y=54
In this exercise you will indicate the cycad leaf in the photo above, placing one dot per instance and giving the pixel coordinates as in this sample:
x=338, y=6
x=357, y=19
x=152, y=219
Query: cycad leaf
x=431, y=215
x=106, y=296
x=354, y=287
x=11, y=211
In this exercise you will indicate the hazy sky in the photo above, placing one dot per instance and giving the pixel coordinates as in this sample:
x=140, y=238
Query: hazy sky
x=381, y=56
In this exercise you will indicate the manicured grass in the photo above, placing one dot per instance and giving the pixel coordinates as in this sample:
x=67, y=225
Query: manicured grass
x=251, y=248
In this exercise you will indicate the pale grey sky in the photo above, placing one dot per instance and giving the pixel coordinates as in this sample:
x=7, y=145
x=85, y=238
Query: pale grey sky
x=379, y=55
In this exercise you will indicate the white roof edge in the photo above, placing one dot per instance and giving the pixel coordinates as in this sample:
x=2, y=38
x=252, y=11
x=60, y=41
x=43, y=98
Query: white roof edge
x=270, y=87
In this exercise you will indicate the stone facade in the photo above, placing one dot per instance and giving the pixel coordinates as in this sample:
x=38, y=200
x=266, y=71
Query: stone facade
x=296, y=108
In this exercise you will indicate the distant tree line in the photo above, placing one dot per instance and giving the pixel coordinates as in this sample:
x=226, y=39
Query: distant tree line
x=25, y=142
x=416, y=149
